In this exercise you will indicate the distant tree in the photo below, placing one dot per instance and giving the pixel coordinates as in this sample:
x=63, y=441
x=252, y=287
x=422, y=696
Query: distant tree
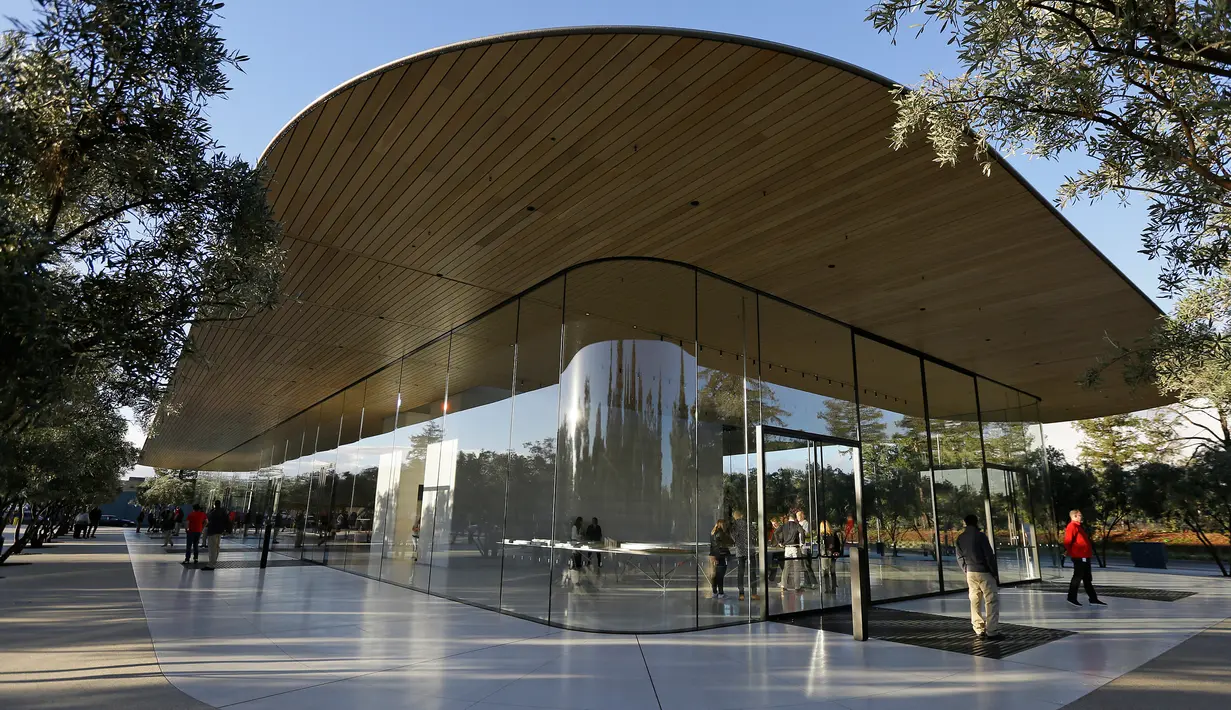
x=1121, y=440
x=1197, y=496
x=1113, y=503
x=121, y=221
x=165, y=488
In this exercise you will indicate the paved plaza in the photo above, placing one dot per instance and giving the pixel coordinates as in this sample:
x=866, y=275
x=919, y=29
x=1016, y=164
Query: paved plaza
x=117, y=623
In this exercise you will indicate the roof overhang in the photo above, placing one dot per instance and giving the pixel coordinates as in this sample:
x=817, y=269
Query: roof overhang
x=425, y=192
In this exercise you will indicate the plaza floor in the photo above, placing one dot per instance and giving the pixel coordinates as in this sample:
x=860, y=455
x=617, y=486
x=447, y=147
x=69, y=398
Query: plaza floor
x=309, y=637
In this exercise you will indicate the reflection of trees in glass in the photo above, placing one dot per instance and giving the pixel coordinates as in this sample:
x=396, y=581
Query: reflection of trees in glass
x=612, y=459
x=895, y=476
x=839, y=417
x=721, y=399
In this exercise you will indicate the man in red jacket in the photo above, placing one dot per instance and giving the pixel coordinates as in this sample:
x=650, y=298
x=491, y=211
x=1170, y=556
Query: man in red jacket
x=1077, y=545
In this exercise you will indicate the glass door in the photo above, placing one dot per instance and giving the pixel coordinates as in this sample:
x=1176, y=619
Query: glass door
x=808, y=504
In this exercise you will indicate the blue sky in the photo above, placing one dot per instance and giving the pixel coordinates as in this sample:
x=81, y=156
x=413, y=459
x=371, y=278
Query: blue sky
x=300, y=49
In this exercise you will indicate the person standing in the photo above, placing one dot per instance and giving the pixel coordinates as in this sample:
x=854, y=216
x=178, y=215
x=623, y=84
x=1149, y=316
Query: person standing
x=196, y=526
x=790, y=535
x=742, y=536
x=1079, y=548
x=96, y=517
x=178, y=518
x=594, y=536
x=720, y=549
x=215, y=525
x=831, y=550
x=140, y=519
x=168, y=528
x=810, y=579
x=978, y=561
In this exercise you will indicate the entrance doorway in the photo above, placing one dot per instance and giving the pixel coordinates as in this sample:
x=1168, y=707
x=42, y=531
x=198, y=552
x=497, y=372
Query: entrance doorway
x=809, y=479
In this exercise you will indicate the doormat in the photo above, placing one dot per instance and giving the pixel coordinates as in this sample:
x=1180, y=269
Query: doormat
x=250, y=564
x=942, y=633
x=1154, y=595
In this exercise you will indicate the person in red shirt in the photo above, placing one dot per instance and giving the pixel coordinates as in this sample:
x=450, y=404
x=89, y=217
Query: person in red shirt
x=1079, y=548
x=196, y=526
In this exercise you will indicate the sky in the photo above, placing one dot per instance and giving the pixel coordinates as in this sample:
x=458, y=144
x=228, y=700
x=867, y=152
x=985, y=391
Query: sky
x=301, y=49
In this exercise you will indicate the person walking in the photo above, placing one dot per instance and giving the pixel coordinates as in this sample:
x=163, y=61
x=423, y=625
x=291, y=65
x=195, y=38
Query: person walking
x=215, y=525
x=720, y=548
x=742, y=536
x=195, y=523
x=978, y=561
x=140, y=519
x=178, y=518
x=594, y=536
x=81, y=525
x=1079, y=548
x=96, y=517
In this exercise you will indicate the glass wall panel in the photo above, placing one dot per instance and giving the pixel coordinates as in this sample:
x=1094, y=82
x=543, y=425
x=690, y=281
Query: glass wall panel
x=957, y=457
x=344, y=508
x=1047, y=530
x=474, y=463
x=806, y=376
x=369, y=458
x=526, y=583
x=296, y=484
x=727, y=485
x=627, y=451
x=324, y=491
x=1006, y=445
x=897, y=477
x=417, y=453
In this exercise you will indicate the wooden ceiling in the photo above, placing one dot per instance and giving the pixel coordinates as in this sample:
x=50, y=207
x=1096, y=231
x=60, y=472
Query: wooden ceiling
x=431, y=189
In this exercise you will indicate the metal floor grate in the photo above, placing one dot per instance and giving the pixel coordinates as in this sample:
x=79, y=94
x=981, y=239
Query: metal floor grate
x=943, y=633
x=251, y=564
x=1155, y=595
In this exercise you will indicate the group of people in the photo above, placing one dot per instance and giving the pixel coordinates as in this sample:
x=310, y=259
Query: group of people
x=579, y=533
x=794, y=535
x=170, y=520
x=978, y=561
x=86, y=522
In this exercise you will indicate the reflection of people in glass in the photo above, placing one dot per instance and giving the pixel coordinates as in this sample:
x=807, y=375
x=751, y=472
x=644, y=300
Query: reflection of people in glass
x=831, y=550
x=594, y=536
x=576, y=535
x=790, y=536
x=742, y=535
x=849, y=534
x=809, y=574
x=720, y=549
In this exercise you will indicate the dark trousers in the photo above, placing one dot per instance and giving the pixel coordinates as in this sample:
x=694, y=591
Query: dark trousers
x=744, y=569
x=93, y=529
x=1081, y=575
x=193, y=548
x=720, y=571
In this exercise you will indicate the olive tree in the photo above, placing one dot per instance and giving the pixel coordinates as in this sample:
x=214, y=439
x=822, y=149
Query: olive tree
x=122, y=222
x=1141, y=87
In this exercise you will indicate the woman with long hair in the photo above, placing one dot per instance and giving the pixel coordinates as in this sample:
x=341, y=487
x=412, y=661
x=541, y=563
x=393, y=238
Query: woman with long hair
x=720, y=549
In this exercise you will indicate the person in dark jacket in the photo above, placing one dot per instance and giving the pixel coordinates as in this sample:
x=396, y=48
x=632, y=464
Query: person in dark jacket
x=1079, y=548
x=721, y=543
x=215, y=525
x=978, y=561
x=140, y=519
x=96, y=517
x=790, y=535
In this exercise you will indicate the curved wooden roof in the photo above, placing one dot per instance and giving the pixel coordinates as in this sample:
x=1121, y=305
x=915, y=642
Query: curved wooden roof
x=422, y=193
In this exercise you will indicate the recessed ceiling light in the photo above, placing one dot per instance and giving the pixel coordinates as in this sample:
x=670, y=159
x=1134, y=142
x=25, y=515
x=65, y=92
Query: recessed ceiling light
x=529, y=208
x=695, y=203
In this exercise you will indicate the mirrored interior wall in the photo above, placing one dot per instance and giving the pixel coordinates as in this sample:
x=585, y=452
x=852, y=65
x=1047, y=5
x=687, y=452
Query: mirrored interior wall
x=586, y=455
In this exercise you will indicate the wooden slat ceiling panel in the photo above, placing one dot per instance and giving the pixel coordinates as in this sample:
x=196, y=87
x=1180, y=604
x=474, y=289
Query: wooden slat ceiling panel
x=406, y=200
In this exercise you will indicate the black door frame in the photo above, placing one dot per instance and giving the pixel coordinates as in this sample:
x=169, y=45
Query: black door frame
x=763, y=523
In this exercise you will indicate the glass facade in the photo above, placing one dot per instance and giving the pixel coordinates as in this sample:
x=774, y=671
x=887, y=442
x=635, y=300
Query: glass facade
x=637, y=446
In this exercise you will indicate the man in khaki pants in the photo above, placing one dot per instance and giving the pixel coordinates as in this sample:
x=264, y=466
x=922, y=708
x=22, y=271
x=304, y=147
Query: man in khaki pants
x=215, y=525
x=978, y=561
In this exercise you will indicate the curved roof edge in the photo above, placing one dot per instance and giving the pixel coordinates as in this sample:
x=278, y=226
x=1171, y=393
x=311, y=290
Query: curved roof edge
x=692, y=34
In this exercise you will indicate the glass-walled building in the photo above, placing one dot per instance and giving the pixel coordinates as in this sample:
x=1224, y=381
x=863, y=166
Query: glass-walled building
x=569, y=455
x=582, y=324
